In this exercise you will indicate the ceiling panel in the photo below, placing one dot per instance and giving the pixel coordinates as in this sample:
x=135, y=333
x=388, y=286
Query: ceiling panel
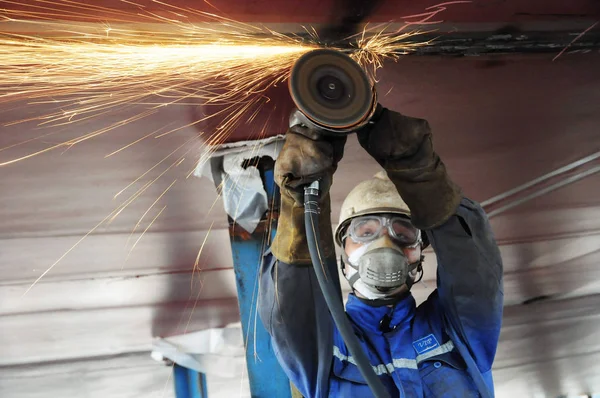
x=314, y=11
x=124, y=376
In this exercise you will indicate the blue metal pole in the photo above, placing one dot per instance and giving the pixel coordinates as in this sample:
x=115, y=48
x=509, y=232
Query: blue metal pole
x=266, y=377
x=202, y=385
x=189, y=383
x=180, y=378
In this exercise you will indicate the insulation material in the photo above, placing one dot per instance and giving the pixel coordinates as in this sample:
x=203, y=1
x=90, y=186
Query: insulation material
x=218, y=352
x=244, y=195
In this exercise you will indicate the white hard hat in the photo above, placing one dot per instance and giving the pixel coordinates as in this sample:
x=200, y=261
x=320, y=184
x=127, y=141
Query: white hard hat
x=374, y=196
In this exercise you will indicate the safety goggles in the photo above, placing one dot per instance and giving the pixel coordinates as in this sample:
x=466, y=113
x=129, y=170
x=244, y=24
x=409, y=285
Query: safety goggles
x=366, y=229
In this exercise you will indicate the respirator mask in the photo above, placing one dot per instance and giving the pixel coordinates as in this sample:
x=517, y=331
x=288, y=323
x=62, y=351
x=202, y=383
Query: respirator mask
x=378, y=269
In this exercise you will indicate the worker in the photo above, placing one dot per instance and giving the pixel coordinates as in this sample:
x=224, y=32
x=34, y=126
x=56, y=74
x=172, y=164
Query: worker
x=442, y=348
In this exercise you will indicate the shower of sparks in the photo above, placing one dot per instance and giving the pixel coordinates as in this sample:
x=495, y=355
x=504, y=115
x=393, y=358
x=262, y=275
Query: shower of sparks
x=89, y=69
x=84, y=74
x=81, y=62
x=375, y=45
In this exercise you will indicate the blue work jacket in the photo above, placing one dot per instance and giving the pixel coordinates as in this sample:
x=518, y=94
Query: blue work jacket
x=445, y=347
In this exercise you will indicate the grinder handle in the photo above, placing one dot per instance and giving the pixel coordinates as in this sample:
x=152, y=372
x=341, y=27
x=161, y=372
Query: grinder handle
x=297, y=118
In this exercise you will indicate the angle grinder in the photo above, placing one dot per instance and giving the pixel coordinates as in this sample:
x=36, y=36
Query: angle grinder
x=332, y=93
x=334, y=96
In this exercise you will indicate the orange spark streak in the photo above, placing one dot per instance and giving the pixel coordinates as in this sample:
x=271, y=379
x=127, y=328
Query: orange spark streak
x=575, y=39
x=145, y=230
x=197, y=262
x=153, y=167
x=144, y=215
x=138, y=140
x=64, y=255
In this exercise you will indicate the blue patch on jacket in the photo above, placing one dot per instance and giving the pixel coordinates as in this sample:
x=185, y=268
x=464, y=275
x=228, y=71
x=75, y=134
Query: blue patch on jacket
x=425, y=344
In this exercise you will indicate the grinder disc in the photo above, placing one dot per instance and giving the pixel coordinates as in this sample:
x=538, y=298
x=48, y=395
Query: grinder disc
x=332, y=90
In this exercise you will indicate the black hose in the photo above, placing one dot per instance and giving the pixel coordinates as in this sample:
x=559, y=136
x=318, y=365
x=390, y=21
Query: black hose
x=332, y=298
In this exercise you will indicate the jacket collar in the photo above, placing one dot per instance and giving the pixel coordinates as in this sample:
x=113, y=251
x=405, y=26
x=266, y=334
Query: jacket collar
x=369, y=318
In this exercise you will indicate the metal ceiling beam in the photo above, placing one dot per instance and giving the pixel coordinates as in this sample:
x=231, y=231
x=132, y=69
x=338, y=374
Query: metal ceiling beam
x=535, y=181
x=543, y=191
x=507, y=40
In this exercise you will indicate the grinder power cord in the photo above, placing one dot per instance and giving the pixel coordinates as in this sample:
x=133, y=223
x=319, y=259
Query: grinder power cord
x=332, y=298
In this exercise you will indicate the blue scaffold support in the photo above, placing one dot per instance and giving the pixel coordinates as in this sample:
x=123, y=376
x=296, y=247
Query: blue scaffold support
x=189, y=383
x=266, y=377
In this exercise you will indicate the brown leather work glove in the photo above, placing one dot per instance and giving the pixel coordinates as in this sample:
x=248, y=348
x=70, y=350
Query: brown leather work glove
x=403, y=146
x=305, y=157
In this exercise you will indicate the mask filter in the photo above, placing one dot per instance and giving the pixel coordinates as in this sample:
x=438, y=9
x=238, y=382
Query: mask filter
x=380, y=270
x=383, y=268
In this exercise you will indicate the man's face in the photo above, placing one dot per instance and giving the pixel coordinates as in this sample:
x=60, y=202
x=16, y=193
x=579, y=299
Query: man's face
x=413, y=254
